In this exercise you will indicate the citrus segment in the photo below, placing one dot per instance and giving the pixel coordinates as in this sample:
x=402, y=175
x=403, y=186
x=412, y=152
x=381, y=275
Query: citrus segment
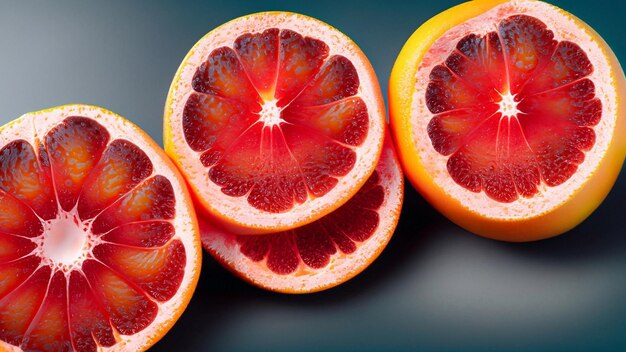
x=258, y=53
x=49, y=329
x=223, y=75
x=212, y=123
x=22, y=176
x=343, y=121
x=76, y=147
x=520, y=103
x=275, y=119
x=115, y=261
x=151, y=200
x=19, y=308
x=17, y=218
x=122, y=166
x=157, y=271
x=89, y=323
x=300, y=58
x=128, y=307
x=528, y=46
x=15, y=272
x=321, y=254
x=14, y=247
x=567, y=64
x=336, y=80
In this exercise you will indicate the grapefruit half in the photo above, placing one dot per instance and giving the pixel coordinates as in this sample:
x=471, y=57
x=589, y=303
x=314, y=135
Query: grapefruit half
x=275, y=119
x=99, y=244
x=322, y=254
x=509, y=117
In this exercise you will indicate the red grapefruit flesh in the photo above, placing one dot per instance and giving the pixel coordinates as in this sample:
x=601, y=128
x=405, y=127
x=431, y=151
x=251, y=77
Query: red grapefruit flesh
x=275, y=119
x=513, y=108
x=322, y=254
x=98, y=238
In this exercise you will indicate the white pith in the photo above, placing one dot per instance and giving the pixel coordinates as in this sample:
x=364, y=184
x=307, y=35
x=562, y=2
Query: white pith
x=32, y=127
x=508, y=105
x=270, y=113
x=547, y=198
x=237, y=208
x=66, y=241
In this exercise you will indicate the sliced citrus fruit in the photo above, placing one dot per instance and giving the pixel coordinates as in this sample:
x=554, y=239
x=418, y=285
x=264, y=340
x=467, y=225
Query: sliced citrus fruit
x=275, y=119
x=324, y=253
x=508, y=117
x=99, y=244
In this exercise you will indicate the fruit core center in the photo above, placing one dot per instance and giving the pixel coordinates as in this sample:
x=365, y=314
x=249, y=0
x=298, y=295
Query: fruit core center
x=508, y=105
x=65, y=242
x=270, y=113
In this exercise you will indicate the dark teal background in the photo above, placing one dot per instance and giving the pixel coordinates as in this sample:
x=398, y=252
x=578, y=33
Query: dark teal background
x=436, y=287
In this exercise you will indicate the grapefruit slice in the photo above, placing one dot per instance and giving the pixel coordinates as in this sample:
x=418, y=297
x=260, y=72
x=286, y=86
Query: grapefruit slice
x=322, y=254
x=275, y=119
x=508, y=117
x=99, y=244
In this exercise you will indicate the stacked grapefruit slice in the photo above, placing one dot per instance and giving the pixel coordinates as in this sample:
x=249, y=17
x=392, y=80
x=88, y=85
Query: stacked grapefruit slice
x=277, y=122
x=99, y=246
x=509, y=117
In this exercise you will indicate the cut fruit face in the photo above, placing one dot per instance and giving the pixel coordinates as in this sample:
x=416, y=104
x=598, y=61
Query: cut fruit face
x=275, y=119
x=513, y=109
x=505, y=112
x=99, y=246
x=324, y=253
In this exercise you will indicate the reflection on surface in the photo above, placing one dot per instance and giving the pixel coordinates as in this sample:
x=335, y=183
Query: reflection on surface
x=435, y=286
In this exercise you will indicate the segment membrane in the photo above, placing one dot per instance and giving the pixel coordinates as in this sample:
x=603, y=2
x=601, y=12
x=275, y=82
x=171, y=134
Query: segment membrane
x=223, y=75
x=17, y=218
x=544, y=141
x=259, y=55
x=322, y=161
x=152, y=200
x=49, y=331
x=528, y=46
x=14, y=247
x=89, y=323
x=18, y=309
x=212, y=123
x=14, y=273
x=142, y=234
x=345, y=121
x=157, y=271
x=336, y=80
x=300, y=60
x=128, y=307
x=122, y=166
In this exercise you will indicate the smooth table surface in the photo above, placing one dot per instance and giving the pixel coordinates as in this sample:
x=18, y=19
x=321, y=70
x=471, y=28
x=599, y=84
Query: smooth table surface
x=435, y=287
